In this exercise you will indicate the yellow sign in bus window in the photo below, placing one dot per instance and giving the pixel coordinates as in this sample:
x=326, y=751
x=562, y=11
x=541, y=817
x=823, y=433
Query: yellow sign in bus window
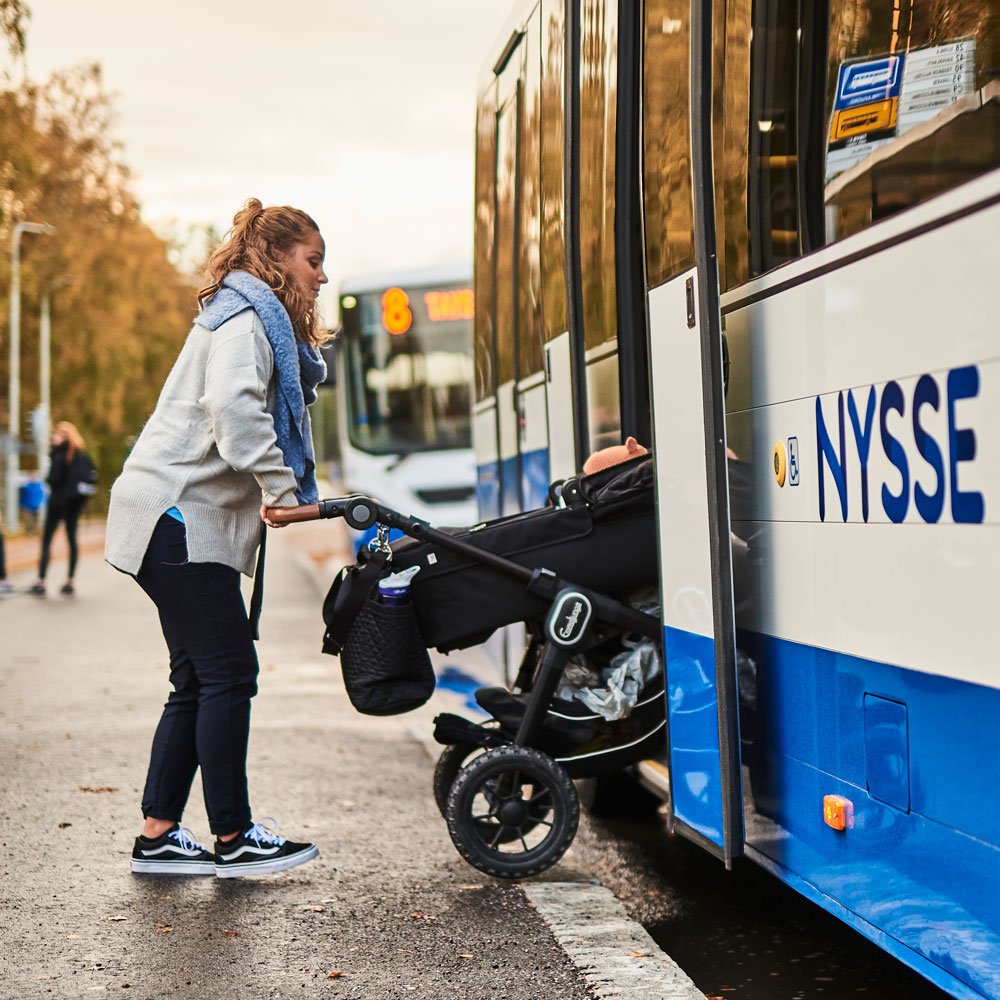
x=456, y=303
x=864, y=118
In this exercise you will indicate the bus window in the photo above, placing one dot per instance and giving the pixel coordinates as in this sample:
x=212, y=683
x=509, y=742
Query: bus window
x=407, y=368
x=506, y=213
x=857, y=111
x=913, y=104
x=598, y=106
x=734, y=269
x=772, y=185
x=553, y=127
x=486, y=123
x=668, y=210
x=529, y=281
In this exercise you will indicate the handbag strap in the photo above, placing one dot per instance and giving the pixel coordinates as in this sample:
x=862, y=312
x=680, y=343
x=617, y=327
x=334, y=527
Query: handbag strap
x=346, y=610
x=257, y=597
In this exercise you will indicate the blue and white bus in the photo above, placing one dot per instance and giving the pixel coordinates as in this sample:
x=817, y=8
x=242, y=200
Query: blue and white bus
x=404, y=370
x=762, y=237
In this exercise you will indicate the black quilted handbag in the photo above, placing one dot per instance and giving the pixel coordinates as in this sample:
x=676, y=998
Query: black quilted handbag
x=383, y=657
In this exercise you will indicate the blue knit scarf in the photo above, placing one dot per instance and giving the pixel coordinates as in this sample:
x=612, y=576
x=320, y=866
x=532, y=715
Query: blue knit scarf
x=299, y=368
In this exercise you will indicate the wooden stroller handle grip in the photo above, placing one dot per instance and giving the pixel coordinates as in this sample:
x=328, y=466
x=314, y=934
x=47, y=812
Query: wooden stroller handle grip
x=289, y=515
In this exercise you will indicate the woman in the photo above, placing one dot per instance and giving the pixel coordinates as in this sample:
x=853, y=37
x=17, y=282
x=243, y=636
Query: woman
x=71, y=481
x=229, y=438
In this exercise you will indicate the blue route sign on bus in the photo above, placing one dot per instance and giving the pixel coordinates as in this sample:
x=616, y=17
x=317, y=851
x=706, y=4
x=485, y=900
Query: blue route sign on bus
x=868, y=82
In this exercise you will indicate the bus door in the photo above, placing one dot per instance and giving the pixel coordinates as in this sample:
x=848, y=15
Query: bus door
x=508, y=72
x=685, y=349
x=530, y=401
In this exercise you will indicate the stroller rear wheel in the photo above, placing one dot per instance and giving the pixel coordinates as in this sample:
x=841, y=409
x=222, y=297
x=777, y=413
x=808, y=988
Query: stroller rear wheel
x=451, y=761
x=512, y=812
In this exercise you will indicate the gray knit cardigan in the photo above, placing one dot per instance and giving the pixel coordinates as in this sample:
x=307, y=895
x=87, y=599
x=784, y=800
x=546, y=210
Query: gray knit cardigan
x=209, y=449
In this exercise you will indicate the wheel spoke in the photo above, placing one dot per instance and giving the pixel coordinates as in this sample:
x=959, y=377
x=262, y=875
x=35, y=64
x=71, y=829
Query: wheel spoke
x=500, y=830
x=524, y=844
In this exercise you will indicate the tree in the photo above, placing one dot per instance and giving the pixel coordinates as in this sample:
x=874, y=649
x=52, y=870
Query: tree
x=122, y=309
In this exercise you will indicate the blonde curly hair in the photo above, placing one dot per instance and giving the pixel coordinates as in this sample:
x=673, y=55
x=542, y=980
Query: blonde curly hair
x=260, y=240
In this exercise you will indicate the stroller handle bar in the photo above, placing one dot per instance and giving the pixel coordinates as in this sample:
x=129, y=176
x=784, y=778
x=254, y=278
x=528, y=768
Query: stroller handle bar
x=361, y=512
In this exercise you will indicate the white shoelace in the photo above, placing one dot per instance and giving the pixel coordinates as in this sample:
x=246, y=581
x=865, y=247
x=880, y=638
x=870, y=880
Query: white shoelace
x=263, y=832
x=185, y=839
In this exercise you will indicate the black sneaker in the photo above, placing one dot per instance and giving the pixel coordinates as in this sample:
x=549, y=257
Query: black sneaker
x=258, y=851
x=175, y=853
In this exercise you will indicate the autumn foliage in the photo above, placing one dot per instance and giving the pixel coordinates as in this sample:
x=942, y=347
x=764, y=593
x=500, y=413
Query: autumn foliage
x=120, y=308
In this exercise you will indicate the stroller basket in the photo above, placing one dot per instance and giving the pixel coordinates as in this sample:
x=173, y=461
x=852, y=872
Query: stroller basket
x=603, y=538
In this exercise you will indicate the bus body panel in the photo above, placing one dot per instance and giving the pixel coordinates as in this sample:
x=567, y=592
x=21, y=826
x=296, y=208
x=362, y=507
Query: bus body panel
x=563, y=461
x=872, y=587
x=533, y=442
x=484, y=440
x=510, y=488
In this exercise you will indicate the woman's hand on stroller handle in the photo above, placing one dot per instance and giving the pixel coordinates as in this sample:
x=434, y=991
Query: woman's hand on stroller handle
x=278, y=517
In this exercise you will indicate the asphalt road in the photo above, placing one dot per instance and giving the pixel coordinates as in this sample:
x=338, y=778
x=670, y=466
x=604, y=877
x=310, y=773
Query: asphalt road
x=388, y=910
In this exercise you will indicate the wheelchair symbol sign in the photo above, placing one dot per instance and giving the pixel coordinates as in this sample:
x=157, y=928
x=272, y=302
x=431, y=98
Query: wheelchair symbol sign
x=793, y=461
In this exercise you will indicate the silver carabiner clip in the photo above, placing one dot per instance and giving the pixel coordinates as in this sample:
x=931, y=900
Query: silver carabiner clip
x=380, y=543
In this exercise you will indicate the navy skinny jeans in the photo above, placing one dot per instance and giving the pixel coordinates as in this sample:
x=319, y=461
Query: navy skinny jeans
x=213, y=670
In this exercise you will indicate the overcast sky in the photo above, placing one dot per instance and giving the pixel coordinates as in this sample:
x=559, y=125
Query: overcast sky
x=361, y=112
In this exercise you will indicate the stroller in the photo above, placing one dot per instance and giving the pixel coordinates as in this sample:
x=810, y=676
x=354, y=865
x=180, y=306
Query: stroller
x=505, y=787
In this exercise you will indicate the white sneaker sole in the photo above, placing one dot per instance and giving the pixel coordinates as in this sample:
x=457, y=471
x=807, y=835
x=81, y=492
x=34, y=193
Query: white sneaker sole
x=173, y=867
x=265, y=867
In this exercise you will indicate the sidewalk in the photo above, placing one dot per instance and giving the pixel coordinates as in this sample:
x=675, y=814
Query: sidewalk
x=388, y=910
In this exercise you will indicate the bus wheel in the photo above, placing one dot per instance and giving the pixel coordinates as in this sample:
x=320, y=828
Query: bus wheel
x=512, y=812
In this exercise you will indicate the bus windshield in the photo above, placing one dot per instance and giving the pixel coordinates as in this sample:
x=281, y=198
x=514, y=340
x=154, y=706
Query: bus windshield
x=407, y=368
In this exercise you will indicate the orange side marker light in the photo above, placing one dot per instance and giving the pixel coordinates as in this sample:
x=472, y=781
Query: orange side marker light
x=838, y=812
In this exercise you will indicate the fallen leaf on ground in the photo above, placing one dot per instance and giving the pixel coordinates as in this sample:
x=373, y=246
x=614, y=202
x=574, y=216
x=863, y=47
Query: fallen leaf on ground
x=316, y=909
x=166, y=898
x=638, y=954
x=336, y=974
x=164, y=928
x=465, y=954
x=97, y=789
x=417, y=915
x=115, y=919
x=62, y=826
x=229, y=933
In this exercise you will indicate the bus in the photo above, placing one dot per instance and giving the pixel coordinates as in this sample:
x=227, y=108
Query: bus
x=761, y=236
x=403, y=364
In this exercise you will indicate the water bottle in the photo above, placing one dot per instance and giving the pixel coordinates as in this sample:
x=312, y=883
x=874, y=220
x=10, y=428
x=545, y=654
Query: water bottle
x=394, y=589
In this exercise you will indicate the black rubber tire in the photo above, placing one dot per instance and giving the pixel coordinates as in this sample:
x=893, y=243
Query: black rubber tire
x=451, y=761
x=472, y=837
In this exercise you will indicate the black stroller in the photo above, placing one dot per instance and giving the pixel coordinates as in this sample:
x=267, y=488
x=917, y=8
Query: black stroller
x=506, y=787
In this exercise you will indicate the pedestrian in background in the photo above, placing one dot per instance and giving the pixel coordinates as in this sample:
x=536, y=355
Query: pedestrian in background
x=71, y=479
x=229, y=438
x=5, y=587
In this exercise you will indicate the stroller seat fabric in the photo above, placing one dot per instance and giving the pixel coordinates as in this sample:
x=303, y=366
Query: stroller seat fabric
x=584, y=742
x=604, y=539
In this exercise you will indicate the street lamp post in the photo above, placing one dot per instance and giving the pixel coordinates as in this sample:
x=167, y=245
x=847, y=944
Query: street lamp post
x=43, y=424
x=14, y=429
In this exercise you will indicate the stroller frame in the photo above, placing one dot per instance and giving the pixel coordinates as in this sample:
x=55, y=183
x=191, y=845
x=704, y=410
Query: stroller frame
x=578, y=619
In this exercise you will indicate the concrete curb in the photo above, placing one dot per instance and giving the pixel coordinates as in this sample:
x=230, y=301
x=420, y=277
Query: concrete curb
x=616, y=956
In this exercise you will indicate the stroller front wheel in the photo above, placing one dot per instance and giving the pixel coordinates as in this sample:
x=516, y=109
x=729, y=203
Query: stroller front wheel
x=512, y=812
